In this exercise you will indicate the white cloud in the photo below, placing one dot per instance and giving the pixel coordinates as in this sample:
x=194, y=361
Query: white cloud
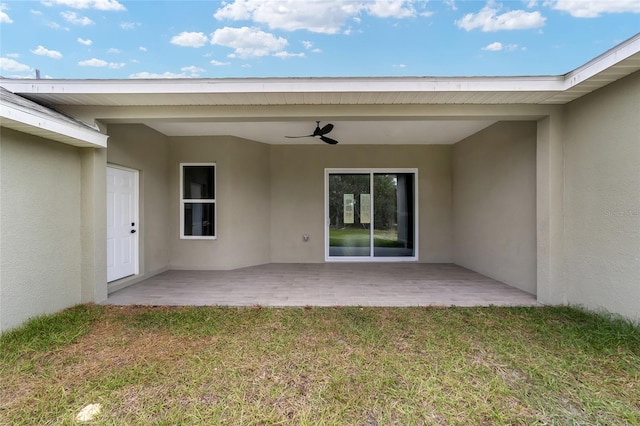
x=192, y=70
x=391, y=9
x=497, y=47
x=57, y=26
x=85, y=42
x=99, y=63
x=219, y=64
x=13, y=55
x=314, y=15
x=309, y=46
x=12, y=65
x=130, y=25
x=248, y=42
x=189, y=39
x=73, y=18
x=87, y=4
x=4, y=18
x=318, y=16
x=42, y=51
x=285, y=55
x=593, y=9
x=489, y=20
x=167, y=74
x=399, y=66
x=113, y=50
x=142, y=49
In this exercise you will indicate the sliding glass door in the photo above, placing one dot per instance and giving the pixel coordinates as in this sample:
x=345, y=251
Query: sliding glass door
x=349, y=215
x=370, y=214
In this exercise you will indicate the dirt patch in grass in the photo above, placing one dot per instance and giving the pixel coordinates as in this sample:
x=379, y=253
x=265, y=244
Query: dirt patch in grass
x=360, y=366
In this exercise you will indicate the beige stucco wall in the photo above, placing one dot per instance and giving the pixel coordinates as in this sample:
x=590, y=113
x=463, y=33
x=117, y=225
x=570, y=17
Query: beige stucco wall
x=40, y=225
x=94, y=224
x=494, y=203
x=242, y=198
x=550, y=208
x=140, y=148
x=297, y=194
x=602, y=199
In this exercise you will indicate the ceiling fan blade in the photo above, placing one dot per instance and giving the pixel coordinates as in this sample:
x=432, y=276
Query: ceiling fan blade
x=319, y=133
x=328, y=140
x=326, y=129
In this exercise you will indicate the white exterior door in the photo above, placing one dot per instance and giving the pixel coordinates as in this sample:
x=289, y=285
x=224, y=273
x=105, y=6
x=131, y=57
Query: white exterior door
x=122, y=223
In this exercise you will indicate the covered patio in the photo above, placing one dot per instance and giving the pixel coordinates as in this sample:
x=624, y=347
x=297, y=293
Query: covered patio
x=325, y=284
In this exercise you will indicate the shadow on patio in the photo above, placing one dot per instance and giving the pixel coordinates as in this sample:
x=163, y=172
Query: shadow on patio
x=325, y=284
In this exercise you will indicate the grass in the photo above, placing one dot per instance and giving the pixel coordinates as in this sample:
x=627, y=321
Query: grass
x=359, y=237
x=347, y=366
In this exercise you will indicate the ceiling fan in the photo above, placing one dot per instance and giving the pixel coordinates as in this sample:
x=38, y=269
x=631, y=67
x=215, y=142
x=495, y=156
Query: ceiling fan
x=319, y=133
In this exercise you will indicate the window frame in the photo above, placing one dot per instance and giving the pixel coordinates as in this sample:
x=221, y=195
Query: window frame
x=372, y=172
x=184, y=201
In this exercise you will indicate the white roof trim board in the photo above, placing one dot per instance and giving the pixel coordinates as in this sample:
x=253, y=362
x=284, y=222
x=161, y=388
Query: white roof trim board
x=612, y=65
x=29, y=117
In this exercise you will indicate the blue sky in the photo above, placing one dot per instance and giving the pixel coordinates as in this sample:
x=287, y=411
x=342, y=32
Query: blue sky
x=307, y=38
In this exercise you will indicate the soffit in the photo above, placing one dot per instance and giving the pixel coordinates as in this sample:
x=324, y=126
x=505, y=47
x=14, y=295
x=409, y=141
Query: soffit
x=347, y=132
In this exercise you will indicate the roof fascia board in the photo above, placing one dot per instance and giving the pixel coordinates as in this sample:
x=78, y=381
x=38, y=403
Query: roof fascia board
x=604, y=61
x=10, y=113
x=287, y=85
x=557, y=84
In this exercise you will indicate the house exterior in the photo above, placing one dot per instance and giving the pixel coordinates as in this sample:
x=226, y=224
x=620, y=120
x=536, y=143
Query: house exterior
x=534, y=181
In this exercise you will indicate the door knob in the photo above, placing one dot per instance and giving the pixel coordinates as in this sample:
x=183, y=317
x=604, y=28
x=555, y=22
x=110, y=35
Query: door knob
x=133, y=231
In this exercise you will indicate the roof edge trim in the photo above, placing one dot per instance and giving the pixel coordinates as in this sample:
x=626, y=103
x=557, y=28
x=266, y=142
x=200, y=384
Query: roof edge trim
x=58, y=130
x=600, y=63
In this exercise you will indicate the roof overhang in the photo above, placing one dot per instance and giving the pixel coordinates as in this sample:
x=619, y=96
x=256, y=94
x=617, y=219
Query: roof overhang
x=190, y=107
x=29, y=117
x=616, y=63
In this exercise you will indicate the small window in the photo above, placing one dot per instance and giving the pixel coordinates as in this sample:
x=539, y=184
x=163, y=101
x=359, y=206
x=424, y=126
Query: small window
x=198, y=201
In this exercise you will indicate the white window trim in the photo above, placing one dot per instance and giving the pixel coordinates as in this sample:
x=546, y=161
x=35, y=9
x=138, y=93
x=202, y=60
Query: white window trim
x=201, y=201
x=371, y=257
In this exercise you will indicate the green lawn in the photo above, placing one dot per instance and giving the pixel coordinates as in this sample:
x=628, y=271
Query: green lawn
x=332, y=366
x=358, y=237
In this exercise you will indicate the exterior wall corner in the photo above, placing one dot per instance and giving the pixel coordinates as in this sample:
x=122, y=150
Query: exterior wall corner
x=94, y=223
x=551, y=288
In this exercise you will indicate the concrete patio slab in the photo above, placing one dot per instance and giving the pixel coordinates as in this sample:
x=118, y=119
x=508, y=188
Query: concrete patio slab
x=325, y=284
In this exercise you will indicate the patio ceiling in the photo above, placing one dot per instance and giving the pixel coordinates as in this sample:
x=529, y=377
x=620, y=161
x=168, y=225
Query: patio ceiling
x=382, y=110
x=346, y=132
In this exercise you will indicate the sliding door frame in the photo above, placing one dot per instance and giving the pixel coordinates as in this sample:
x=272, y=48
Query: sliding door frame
x=371, y=172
